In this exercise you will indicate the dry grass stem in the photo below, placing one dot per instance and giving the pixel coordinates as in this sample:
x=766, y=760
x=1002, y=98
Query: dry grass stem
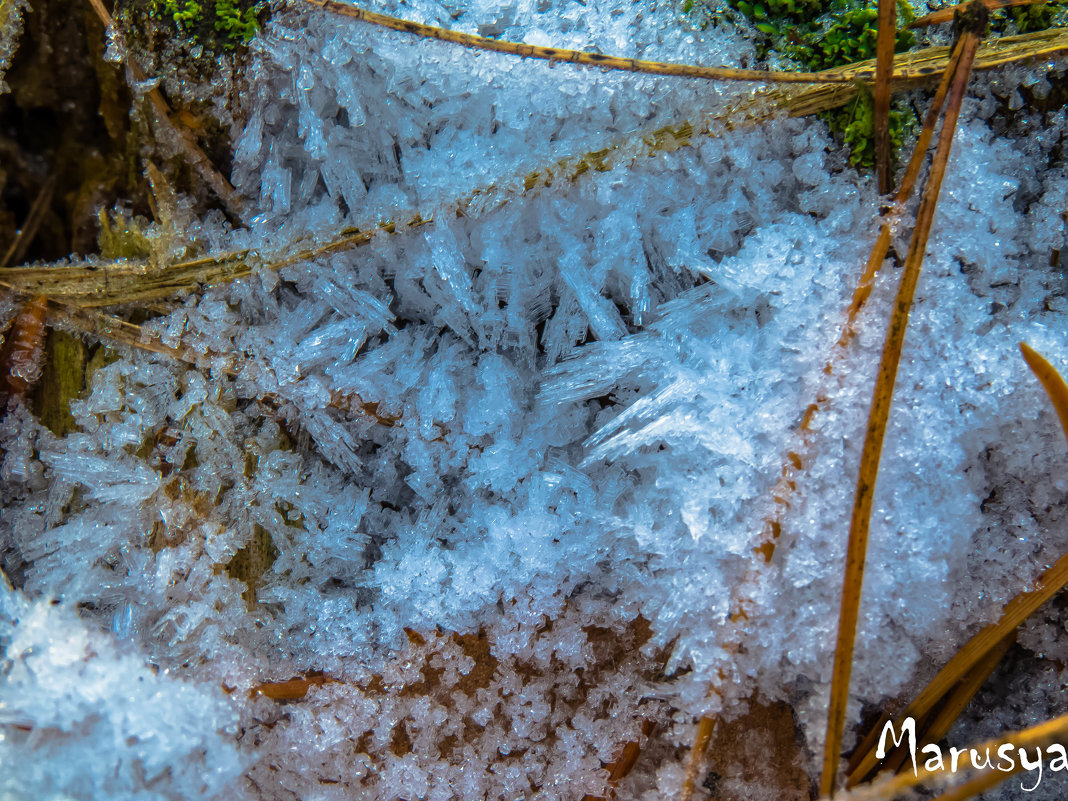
x=884, y=68
x=32, y=222
x=1051, y=381
x=879, y=415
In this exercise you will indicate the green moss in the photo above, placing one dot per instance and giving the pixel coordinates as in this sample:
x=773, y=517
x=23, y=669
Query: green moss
x=848, y=38
x=1027, y=19
x=216, y=25
x=237, y=23
x=855, y=124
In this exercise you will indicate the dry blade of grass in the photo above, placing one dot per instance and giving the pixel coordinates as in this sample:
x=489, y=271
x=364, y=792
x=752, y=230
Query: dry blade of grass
x=554, y=54
x=884, y=68
x=879, y=415
x=28, y=231
x=801, y=452
x=1051, y=381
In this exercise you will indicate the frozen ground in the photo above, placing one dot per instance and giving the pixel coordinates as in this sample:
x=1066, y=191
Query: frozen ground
x=549, y=421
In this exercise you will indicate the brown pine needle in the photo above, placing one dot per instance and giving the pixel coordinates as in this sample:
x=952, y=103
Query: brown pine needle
x=621, y=767
x=946, y=14
x=884, y=69
x=293, y=689
x=801, y=453
x=200, y=161
x=705, y=729
x=880, y=409
x=1051, y=381
x=554, y=54
x=908, y=182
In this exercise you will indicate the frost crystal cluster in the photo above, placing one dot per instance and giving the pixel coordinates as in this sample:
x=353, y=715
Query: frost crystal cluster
x=488, y=484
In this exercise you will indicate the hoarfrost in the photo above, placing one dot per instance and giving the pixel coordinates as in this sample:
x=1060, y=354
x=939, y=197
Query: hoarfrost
x=549, y=424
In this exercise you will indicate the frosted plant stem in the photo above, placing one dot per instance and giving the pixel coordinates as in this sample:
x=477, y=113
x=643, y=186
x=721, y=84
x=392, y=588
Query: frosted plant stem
x=104, y=326
x=555, y=54
x=884, y=70
x=199, y=160
x=880, y=409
